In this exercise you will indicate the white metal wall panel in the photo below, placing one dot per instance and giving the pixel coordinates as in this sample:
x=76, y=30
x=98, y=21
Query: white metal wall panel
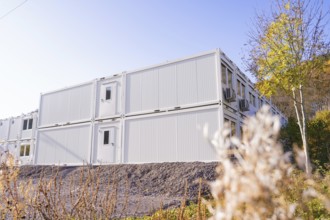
x=64, y=145
x=12, y=148
x=133, y=93
x=187, y=82
x=15, y=128
x=167, y=86
x=187, y=137
x=132, y=141
x=190, y=82
x=149, y=140
x=149, y=90
x=213, y=122
x=67, y=105
x=4, y=129
x=206, y=78
x=167, y=141
x=170, y=137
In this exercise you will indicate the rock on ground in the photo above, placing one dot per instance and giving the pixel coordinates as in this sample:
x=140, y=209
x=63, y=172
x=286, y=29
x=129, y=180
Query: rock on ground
x=141, y=188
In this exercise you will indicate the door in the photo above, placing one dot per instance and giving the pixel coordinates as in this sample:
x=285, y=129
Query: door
x=107, y=145
x=108, y=99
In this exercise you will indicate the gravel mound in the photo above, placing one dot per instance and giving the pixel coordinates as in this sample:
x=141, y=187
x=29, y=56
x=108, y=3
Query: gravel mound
x=147, y=187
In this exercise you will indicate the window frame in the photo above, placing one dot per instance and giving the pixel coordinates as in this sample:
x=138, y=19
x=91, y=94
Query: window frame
x=25, y=150
x=106, y=137
x=108, y=93
x=27, y=124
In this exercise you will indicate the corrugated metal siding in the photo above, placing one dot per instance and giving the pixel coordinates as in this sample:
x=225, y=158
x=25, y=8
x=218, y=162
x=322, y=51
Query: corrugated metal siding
x=189, y=82
x=4, y=130
x=167, y=87
x=206, y=78
x=167, y=141
x=132, y=139
x=64, y=145
x=68, y=105
x=187, y=137
x=14, y=129
x=149, y=90
x=169, y=137
x=133, y=93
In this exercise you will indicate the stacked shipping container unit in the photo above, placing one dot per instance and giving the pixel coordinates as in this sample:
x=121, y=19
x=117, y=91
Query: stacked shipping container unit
x=153, y=114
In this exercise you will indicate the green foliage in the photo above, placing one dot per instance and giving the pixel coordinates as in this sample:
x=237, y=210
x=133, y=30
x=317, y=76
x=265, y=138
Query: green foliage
x=313, y=208
x=192, y=211
x=290, y=134
x=318, y=139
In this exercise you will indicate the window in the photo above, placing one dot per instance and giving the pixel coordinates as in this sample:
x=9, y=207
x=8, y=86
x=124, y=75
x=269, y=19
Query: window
x=230, y=78
x=27, y=124
x=243, y=91
x=252, y=99
x=239, y=91
x=227, y=76
x=108, y=93
x=223, y=74
x=233, y=128
x=106, y=135
x=25, y=150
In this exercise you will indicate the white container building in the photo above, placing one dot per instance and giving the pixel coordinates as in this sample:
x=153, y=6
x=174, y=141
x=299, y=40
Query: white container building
x=154, y=114
x=18, y=136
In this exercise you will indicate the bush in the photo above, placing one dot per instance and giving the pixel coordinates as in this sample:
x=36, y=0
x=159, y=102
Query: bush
x=318, y=138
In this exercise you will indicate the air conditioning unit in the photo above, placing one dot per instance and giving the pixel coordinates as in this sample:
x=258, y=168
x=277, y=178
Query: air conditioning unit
x=230, y=94
x=243, y=105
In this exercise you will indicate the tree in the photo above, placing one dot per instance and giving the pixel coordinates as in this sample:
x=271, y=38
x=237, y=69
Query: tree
x=287, y=46
x=317, y=96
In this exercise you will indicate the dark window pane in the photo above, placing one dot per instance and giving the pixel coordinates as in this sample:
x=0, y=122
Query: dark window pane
x=21, y=152
x=108, y=93
x=106, y=137
x=25, y=123
x=30, y=123
x=27, y=150
x=223, y=74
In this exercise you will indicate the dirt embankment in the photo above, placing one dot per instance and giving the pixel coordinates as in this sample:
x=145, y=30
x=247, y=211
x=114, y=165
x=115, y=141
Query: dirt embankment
x=144, y=188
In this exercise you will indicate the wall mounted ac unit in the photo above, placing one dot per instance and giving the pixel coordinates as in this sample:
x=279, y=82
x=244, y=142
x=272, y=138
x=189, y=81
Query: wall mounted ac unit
x=243, y=105
x=230, y=94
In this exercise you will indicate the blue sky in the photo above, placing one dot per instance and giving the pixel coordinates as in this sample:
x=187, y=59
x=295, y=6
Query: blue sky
x=47, y=45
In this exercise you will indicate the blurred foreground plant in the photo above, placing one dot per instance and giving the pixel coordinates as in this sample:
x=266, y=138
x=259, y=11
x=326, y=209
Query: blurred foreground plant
x=255, y=175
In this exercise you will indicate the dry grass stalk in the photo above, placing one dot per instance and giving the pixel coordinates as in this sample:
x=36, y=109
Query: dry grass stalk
x=250, y=185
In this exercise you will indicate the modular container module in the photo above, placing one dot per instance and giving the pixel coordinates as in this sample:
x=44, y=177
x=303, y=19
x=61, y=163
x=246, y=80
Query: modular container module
x=18, y=136
x=153, y=114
